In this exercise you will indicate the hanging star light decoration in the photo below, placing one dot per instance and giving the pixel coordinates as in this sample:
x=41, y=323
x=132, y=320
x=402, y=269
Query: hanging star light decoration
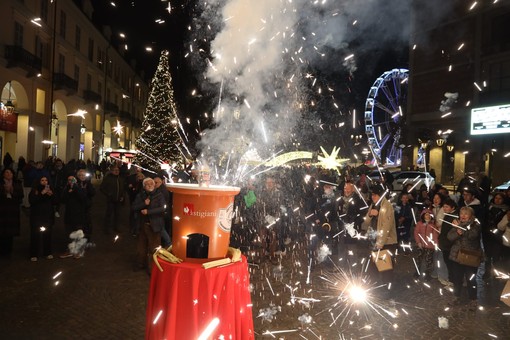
x=118, y=128
x=330, y=161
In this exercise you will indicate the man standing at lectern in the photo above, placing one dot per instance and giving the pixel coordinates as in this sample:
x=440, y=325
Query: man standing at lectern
x=150, y=205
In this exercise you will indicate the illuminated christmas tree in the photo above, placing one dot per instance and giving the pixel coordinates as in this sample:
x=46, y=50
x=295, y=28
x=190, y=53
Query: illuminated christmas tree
x=159, y=139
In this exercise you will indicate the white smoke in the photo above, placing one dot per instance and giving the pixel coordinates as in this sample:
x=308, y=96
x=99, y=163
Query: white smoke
x=446, y=104
x=268, y=59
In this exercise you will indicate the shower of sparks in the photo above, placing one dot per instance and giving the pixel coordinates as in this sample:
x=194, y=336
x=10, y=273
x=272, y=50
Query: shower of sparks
x=354, y=298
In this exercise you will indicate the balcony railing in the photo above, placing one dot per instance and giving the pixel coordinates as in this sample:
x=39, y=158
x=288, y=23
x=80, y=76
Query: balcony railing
x=124, y=116
x=92, y=97
x=111, y=108
x=18, y=57
x=61, y=81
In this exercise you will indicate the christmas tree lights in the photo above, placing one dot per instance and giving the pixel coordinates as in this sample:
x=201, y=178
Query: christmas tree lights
x=158, y=142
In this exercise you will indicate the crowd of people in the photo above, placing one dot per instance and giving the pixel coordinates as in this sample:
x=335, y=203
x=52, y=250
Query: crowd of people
x=333, y=214
x=45, y=190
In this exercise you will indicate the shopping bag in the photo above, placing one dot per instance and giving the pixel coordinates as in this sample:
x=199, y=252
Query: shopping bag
x=382, y=260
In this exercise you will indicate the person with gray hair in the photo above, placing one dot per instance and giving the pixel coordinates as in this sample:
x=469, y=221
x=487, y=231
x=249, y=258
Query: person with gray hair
x=465, y=235
x=150, y=205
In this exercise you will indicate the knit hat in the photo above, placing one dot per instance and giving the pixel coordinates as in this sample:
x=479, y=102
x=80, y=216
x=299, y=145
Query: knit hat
x=425, y=211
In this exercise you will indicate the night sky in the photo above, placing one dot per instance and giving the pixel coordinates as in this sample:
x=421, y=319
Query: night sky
x=135, y=18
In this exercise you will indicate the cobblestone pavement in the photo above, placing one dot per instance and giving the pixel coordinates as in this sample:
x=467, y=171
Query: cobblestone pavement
x=100, y=296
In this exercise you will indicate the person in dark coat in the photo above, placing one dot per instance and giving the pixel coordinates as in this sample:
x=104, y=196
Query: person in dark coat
x=133, y=187
x=21, y=165
x=75, y=200
x=351, y=216
x=113, y=188
x=465, y=236
x=58, y=181
x=150, y=205
x=11, y=195
x=166, y=232
x=450, y=214
x=84, y=184
x=8, y=160
x=42, y=218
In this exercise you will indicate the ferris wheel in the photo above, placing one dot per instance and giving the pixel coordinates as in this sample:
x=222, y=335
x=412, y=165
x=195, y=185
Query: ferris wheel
x=384, y=115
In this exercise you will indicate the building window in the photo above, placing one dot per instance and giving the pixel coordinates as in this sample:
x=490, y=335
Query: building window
x=77, y=73
x=99, y=87
x=91, y=49
x=77, y=38
x=44, y=11
x=101, y=59
x=117, y=74
x=89, y=82
x=63, y=20
x=61, y=63
x=18, y=34
x=38, y=47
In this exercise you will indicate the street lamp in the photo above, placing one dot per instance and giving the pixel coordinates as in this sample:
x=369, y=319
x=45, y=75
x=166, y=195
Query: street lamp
x=9, y=106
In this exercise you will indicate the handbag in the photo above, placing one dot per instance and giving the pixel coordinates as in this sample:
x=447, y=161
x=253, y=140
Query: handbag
x=471, y=258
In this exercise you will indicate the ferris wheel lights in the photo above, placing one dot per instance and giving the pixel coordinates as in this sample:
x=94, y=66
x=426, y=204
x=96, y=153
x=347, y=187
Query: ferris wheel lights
x=414, y=46
x=450, y=68
x=473, y=5
x=446, y=114
x=460, y=47
x=477, y=86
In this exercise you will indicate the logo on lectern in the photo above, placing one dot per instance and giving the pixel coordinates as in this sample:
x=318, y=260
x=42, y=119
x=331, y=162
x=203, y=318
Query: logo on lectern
x=188, y=209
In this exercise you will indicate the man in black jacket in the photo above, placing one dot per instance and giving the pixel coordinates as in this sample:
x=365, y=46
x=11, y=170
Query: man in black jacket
x=150, y=205
x=113, y=188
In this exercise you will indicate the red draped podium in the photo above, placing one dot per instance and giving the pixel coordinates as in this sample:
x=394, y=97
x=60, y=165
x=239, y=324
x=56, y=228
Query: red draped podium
x=188, y=297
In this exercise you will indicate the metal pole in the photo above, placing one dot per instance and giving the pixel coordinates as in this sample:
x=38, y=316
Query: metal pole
x=103, y=116
x=52, y=75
